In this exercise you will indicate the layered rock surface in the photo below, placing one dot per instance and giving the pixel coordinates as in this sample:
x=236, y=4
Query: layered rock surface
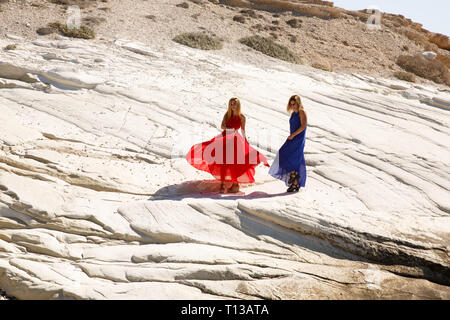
x=97, y=201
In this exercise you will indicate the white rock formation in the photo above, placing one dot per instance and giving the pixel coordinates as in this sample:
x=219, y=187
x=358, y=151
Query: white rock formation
x=97, y=201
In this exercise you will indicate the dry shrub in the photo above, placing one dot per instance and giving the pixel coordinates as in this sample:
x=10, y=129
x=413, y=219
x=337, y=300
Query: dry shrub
x=259, y=27
x=270, y=48
x=184, y=5
x=429, y=69
x=84, y=32
x=249, y=13
x=294, y=23
x=406, y=76
x=92, y=21
x=80, y=3
x=45, y=30
x=199, y=40
x=322, y=65
x=11, y=47
x=239, y=18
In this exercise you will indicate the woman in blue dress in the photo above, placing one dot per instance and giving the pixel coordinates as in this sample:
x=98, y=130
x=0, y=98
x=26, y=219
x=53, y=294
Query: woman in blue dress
x=289, y=164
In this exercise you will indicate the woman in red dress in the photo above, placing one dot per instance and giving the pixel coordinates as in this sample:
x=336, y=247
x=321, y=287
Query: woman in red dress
x=228, y=156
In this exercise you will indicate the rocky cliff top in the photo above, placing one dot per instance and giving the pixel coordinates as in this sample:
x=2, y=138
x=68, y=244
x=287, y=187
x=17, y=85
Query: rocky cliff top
x=320, y=34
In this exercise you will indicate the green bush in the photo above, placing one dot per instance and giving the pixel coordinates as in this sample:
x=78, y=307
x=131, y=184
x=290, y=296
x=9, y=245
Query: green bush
x=199, y=40
x=11, y=47
x=270, y=48
x=84, y=32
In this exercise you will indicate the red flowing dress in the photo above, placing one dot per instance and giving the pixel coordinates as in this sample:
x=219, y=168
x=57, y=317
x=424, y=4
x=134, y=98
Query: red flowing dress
x=228, y=156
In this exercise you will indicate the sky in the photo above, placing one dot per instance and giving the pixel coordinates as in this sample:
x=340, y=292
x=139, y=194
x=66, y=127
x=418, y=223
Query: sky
x=433, y=14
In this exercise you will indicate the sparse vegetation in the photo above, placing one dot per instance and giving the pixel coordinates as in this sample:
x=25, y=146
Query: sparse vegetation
x=183, y=5
x=239, y=18
x=274, y=35
x=294, y=23
x=45, y=30
x=90, y=21
x=106, y=9
x=199, y=40
x=429, y=69
x=11, y=47
x=406, y=76
x=270, y=48
x=249, y=13
x=322, y=65
x=80, y=3
x=84, y=32
x=259, y=27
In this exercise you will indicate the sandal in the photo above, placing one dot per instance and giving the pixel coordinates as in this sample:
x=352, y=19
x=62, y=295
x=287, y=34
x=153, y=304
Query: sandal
x=293, y=188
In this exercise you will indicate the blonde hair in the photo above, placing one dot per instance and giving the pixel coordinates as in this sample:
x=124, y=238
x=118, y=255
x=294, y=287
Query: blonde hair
x=229, y=111
x=298, y=102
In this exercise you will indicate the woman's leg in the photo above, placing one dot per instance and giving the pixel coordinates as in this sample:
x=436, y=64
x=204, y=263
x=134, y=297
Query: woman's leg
x=292, y=176
x=294, y=182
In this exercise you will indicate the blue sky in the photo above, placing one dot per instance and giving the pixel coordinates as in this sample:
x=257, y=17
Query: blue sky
x=433, y=14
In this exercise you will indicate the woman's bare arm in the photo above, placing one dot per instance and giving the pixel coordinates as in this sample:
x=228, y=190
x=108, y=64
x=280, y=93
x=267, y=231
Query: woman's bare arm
x=242, y=123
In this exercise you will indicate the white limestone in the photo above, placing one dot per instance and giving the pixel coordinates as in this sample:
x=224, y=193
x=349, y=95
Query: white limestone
x=98, y=202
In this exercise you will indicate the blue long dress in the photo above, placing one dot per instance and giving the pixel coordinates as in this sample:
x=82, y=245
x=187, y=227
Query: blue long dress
x=290, y=157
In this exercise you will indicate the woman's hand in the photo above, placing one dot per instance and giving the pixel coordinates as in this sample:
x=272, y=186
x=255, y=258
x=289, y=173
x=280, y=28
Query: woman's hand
x=291, y=137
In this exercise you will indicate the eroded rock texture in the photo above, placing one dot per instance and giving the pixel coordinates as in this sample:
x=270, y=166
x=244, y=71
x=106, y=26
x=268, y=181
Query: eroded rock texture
x=97, y=201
